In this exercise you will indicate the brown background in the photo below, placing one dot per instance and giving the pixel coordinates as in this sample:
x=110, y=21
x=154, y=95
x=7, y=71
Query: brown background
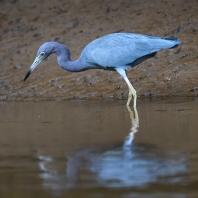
x=25, y=25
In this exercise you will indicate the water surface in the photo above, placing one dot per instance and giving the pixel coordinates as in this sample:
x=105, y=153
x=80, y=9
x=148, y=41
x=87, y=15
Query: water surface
x=99, y=149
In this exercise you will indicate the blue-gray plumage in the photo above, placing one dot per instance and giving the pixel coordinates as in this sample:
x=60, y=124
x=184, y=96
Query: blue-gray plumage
x=115, y=52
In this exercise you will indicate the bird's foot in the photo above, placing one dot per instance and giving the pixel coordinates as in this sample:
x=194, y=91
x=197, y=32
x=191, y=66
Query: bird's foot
x=134, y=99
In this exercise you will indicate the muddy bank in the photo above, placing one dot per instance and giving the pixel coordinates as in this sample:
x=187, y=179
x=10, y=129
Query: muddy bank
x=25, y=25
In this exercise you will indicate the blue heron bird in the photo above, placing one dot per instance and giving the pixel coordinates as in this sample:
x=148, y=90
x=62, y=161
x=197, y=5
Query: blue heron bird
x=115, y=52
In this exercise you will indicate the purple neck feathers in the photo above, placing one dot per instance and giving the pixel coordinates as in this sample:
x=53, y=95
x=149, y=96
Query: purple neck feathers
x=64, y=61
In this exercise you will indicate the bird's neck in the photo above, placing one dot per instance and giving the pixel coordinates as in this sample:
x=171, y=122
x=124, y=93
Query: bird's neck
x=64, y=61
x=72, y=66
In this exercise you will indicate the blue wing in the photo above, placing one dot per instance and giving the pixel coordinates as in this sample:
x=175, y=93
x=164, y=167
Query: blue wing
x=124, y=50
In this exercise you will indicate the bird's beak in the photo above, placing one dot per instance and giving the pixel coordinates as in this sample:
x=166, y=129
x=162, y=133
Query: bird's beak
x=36, y=62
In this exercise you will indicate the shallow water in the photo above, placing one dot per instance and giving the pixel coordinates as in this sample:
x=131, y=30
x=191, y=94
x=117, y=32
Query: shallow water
x=99, y=149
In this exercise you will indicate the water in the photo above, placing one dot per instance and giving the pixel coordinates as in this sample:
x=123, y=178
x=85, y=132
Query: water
x=99, y=149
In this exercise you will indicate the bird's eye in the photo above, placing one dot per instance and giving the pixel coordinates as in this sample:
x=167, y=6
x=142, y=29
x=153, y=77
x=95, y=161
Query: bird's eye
x=42, y=53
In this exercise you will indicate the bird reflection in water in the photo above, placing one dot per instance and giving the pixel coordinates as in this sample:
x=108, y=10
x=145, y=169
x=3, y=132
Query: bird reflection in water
x=79, y=160
x=122, y=166
x=134, y=129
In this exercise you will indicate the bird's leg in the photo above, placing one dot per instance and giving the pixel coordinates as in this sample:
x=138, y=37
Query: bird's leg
x=132, y=91
x=129, y=97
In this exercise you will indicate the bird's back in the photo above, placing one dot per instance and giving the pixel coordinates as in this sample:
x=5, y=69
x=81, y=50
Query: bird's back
x=122, y=49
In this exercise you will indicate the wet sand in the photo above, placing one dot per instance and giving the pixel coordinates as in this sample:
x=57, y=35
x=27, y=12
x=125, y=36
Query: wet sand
x=25, y=25
x=98, y=148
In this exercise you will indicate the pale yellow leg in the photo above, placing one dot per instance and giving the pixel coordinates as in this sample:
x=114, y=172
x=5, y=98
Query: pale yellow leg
x=129, y=97
x=132, y=92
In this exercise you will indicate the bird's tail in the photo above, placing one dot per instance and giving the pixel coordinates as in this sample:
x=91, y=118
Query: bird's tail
x=175, y=41
x=164, y=43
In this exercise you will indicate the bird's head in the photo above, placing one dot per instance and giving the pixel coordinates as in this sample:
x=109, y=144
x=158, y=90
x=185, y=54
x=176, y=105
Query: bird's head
x=43, y=52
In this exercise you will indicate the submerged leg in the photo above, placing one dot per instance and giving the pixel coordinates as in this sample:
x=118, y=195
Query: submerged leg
x=133, y=114
x=132, y=91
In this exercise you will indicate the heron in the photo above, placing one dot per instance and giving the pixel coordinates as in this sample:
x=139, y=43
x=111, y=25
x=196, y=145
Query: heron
x=114, y=52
